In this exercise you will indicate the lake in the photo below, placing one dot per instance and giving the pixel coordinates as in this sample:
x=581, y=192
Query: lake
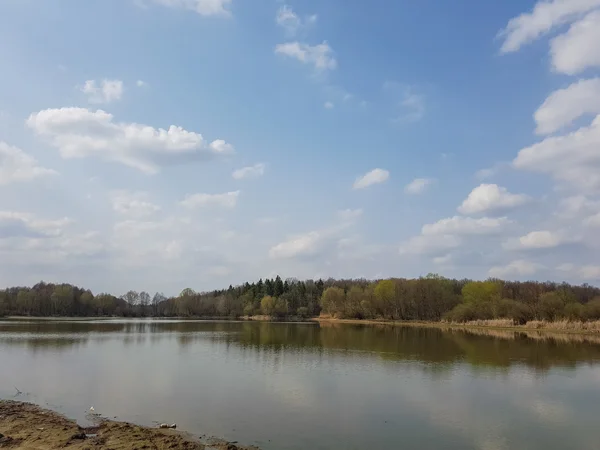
x=309, y=386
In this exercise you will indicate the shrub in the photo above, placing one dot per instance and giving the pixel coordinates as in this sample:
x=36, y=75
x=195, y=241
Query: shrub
x=302, y=312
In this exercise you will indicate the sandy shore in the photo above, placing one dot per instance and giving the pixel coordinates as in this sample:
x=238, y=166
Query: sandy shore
x=25, y=426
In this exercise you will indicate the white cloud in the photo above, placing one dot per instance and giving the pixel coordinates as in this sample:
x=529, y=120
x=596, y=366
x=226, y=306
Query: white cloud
x=573, y=158
x=586, y=272
x=375, y=176
x=541, y=239
x=590, y=272
x=577, y=206
x=515, y=268
x=133, y=204
x=20, y=224
x=17, y=166
x=418, y=185
x=79, y=133
x=202, y=7
x=141, y=83
x=291, y=22
x=105, y=92
x=254, y=171
x=443, y=260
x=226, y=200
x=300, y=245
x=578, y=48
x=546, y=15
x=329, y=105
x=320, y=56
x=350, y=214
x=592, y=221
x=491, y=197
x=434, y=244
x=410, y=102
x=458, y=225
x=564, y=106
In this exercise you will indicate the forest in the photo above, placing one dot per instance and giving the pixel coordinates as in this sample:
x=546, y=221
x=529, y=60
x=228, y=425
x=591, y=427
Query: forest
x=429, y=298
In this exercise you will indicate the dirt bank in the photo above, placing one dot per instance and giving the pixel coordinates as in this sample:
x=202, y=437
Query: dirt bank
x=25, y=426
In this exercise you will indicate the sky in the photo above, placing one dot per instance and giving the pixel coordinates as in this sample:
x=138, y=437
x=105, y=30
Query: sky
x=163, y=144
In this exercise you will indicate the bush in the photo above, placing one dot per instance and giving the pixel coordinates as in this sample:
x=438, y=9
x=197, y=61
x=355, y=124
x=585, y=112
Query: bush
x=302, y=312
x=551, y=306
x=592, y=310
x=574, y=312
x=511, y=309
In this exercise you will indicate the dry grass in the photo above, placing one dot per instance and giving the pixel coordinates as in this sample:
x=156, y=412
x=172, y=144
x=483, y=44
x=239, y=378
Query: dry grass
x=561, y=326
x=543, y=325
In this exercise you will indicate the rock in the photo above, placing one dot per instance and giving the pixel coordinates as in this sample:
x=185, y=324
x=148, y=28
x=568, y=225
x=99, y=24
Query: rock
x=163, y=425
x=79, y=436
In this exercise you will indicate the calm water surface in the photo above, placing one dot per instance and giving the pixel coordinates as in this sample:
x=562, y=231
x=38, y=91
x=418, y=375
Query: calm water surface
x=310, y=386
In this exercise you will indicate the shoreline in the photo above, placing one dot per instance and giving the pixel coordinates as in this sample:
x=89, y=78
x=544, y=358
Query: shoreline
x=499, y=325
x=557, y=327
x=24, y=426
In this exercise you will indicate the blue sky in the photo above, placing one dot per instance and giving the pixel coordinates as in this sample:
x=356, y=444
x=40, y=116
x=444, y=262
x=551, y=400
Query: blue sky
x=163, y=144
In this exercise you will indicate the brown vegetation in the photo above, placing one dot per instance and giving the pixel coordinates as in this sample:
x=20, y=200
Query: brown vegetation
x=24, y=426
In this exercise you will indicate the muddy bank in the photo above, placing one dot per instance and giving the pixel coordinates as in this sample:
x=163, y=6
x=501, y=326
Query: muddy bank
x=25, y=426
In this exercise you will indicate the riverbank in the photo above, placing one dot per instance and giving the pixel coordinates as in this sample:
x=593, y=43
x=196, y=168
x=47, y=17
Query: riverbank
x=25, y=426
x=563, y=326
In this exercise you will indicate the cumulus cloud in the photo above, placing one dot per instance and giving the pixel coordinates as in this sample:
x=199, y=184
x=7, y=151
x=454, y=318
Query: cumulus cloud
x=21, y=224
x=585, y=272
x=80, y=133
x=375, y=176
x=572, y=158
x=202, y=7
x=418, y=185
x=577, y=49
x=564, y=106
x=291, y=22
x=515, y=268
x=226, y=200
x=320, y=56
x=546, y=15
x=458, y=225
x=254, y=171
x=133, y=204
x=541, y=239
x=491, y=197
x=106, y=91
x=299, y=245
x=17, y=166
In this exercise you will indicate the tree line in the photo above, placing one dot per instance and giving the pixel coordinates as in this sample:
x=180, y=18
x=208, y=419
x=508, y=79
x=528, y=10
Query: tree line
x=429, y=298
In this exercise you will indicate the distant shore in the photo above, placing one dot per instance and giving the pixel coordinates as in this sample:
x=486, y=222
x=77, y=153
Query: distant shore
x=24, y=426
x=562, y=326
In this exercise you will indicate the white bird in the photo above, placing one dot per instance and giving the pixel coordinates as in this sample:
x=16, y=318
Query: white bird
x=92, y=409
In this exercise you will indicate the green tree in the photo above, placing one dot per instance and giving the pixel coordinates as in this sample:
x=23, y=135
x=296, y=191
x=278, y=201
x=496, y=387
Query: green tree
x=332, y=301
x=481, y=291
x=267, y=305
x=278, y=288
x=62, y=300
x=551, y=306
x=385, y=292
